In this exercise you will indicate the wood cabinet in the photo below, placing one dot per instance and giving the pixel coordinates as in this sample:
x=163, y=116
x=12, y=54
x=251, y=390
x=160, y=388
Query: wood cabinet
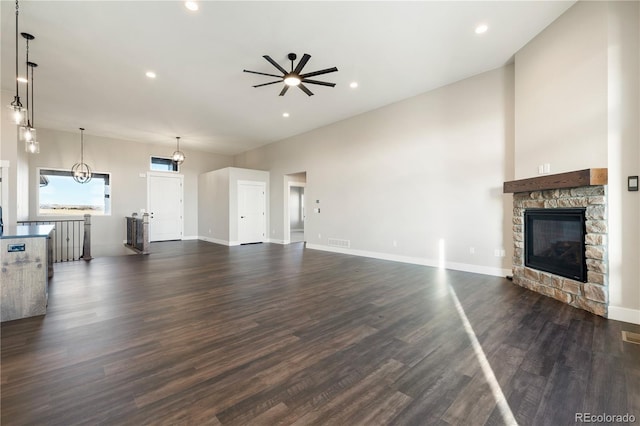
x=25, y=269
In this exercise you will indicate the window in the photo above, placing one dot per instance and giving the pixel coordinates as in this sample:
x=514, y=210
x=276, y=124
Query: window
x=163, y=164
x=60, y=195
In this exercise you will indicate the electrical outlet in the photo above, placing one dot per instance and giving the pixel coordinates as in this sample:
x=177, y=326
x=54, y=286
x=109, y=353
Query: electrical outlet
x=541, y=169
x=496, y=252
x=395, y=243
x=319, y=236
x=472, y=250
x=209, y=230
x=502, y=253
x=547, y=168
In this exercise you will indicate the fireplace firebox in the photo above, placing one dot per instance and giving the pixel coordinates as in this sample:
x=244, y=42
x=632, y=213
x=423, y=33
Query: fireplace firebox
x=554, y=241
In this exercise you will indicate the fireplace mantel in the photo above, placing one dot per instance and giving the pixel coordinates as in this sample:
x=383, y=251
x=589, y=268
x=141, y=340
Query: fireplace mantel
x=586, y=177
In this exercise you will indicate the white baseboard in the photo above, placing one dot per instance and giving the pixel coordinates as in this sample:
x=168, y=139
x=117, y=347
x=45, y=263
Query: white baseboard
x=477, y=269
x=619, y=313
x=276, y=241
x=215, y=241
x=190, y=237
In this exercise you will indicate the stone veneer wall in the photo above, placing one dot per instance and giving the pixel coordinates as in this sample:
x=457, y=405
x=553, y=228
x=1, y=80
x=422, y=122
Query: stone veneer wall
x=592, y=295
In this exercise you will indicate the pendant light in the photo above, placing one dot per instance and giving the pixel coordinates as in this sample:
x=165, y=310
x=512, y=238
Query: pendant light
x=178, y=156
x=81, y=171
x=29, y=132
x=17, y=110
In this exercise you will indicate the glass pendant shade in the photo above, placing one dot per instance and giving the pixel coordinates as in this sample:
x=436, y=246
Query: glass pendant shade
x=178, y=156
x=32, y=147
x=27, y=133
x=18, y=112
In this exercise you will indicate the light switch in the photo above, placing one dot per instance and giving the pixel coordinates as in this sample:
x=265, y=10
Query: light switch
x=632, y=183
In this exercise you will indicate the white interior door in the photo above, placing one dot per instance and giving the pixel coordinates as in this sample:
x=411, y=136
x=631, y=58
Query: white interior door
x=251, y=212
x=164, y=204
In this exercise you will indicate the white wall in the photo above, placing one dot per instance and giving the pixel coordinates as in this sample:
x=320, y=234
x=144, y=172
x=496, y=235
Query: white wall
x=413, y=172
x=561, y=94
x=624, y=159
x=576, y=99
x=125, y=161
x=13, y=152
x=213, y=206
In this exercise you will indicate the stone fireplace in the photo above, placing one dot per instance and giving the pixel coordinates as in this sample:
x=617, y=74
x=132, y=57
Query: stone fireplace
x=583, y=190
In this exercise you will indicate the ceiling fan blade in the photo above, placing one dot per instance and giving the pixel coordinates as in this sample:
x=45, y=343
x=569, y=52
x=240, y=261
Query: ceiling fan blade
x=262, y=73
x=275, y=64
x=325, y=71
x=302, y=63
x=266, y=84
x=322, y=83
x=304, y=89
x=284, y=90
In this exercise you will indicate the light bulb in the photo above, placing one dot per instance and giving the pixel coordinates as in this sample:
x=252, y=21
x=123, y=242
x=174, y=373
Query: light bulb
x=292, y=80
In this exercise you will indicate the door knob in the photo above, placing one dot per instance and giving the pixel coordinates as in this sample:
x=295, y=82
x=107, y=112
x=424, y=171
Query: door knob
x=241, y=217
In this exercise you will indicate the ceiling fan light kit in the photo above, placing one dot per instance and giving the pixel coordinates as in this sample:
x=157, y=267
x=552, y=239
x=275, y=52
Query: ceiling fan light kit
x=294, y=77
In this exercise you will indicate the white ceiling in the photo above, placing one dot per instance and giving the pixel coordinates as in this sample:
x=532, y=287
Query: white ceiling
x=93, y=55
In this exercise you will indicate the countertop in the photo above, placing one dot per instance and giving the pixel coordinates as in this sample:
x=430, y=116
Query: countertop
x=26, y=231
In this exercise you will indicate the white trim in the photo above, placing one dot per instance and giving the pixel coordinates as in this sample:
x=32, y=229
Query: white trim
x=214, y=241
x=619, y=313
x=190, y=237
x=476, y=269
x=275, y=241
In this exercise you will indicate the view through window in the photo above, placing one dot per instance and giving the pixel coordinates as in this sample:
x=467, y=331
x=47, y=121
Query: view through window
x=60, y=195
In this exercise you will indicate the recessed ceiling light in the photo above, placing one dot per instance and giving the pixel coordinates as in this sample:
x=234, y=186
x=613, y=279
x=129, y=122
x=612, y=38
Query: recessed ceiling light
x=285, y=114
x=22, y=80
x=353, y=84
x=482, y=28
x=191, y=5
x=150, y=74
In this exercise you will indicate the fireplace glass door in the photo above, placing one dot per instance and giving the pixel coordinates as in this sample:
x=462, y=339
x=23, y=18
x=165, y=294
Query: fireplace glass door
x=554, y=242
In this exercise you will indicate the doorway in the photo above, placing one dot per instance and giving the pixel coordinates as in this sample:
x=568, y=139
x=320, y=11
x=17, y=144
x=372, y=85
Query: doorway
x=296, y=213
x=165, y=206
x=252, y=220
x=295, y=208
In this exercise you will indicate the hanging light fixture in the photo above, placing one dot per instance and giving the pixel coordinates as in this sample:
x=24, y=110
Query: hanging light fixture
x=81, y=171
x=28, y=132
x=18, y=111
x=178, y=156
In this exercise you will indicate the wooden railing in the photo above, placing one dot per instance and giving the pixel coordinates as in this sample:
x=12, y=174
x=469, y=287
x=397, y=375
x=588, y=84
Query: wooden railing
x=70, y=240
x=138, y=233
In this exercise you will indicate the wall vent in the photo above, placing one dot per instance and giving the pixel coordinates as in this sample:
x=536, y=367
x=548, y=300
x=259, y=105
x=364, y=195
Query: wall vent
x=628, y=336
x=338, y=242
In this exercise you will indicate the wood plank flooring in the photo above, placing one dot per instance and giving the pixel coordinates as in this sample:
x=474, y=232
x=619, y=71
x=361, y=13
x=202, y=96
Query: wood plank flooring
x=202, y=334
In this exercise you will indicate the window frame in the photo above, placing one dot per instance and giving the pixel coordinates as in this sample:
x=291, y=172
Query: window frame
x=151, y=169
x=68, y=172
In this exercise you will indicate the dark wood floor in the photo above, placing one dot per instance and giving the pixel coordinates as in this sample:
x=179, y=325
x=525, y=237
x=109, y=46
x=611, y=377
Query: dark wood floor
x=198, y=333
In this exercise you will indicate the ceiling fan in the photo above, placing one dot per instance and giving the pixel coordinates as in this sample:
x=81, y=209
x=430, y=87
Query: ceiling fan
x=293, y=77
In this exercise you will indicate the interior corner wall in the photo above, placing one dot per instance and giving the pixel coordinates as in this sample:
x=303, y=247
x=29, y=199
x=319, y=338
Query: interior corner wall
x=561, y=94
x=417, y=181
x=624, y=159
x=128, y=162
x=213, y=206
